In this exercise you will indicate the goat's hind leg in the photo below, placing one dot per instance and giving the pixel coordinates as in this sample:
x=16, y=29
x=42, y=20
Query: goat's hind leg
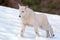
x=36, y=30
x=51, y=32
x=47, y=33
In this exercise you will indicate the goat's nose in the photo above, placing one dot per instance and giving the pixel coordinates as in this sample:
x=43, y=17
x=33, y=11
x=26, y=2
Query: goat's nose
x=19, y=16
x=22, y=11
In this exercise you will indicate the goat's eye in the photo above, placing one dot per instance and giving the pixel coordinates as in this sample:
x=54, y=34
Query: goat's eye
x=22, y=11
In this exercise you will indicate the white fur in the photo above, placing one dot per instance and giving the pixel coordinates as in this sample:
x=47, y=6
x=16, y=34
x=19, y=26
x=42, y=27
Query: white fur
x=28, y=17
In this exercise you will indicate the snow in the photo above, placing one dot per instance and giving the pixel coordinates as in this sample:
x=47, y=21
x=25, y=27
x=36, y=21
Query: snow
x=10, y=26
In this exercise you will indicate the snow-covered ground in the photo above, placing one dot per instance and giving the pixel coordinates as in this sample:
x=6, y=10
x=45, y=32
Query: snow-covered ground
x=10, y=25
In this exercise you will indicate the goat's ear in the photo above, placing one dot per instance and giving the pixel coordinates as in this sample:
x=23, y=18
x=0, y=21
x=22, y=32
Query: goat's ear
x=26, y=6
x=19, y=5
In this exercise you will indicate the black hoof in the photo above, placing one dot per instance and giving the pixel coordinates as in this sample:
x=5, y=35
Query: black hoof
x=53, y=35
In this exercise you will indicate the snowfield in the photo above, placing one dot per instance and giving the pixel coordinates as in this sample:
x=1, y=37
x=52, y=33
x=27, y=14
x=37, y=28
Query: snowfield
x=10, y=26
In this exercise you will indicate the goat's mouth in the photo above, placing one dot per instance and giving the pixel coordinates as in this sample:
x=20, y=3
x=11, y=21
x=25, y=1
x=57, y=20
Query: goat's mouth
x=19, y=16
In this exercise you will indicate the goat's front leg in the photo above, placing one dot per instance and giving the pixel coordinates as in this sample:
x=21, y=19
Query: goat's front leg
x=22, y=30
